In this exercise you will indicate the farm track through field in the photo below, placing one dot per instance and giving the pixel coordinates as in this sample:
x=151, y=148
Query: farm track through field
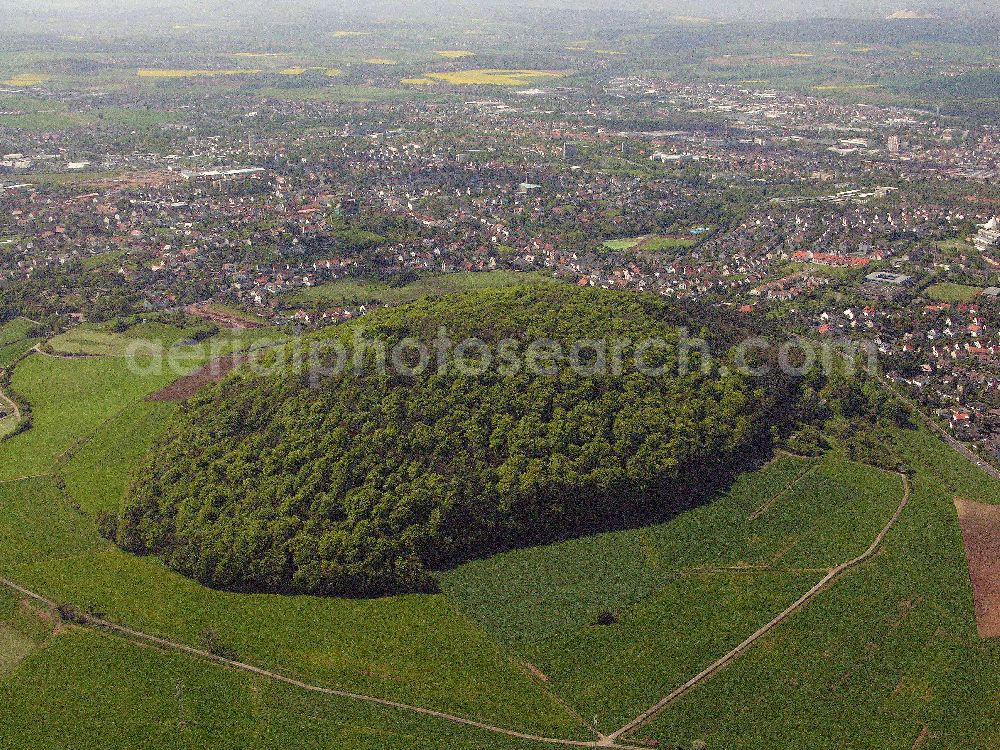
x=13, y=405
x=37, y=348
x=148, y=639
x=734, y=654
x=784, y=492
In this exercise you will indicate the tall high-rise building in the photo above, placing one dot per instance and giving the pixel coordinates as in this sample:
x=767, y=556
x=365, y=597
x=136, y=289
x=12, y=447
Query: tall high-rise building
x=893, y=144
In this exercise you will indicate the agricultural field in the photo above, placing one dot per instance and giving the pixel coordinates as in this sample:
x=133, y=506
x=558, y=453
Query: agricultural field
x=953, y=293
x=26, y=80
x=355, y=291
x=885, y=657
x=91, y=340
x=22, y=630
x=716, y=573
x=196, y=73
x=74, y=691
x=851, y=652
x=490, y=77
x=15, y=340
x=70, y=399
x=74, y=395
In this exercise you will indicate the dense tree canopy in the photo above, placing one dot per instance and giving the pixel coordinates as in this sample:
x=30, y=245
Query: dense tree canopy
x=364, y=483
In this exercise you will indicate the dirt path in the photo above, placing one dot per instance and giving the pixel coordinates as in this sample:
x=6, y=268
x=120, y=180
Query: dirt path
x=722, y=661
x=141, y=637
x=782, y=493
x=13, y=405
x=37, y=349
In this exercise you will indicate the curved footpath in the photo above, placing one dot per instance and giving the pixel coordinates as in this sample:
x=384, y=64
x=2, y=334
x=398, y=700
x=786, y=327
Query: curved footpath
x=13, y=405
x=138, y=635
x=722, y=661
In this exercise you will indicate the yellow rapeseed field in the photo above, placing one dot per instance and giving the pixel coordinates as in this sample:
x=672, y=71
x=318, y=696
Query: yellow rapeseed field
x=491, y=77
x=26, y=79
x=173, y=73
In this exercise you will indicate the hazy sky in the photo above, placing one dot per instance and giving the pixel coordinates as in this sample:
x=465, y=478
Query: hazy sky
x=144, y=18
x=752, y=9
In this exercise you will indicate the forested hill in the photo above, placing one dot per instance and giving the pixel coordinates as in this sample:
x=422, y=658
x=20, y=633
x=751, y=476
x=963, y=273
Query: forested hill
x=364, y=483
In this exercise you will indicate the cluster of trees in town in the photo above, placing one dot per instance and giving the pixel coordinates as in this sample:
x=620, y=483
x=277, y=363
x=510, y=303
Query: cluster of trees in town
x=364, y=483
x=54, y=292
x=848, y=406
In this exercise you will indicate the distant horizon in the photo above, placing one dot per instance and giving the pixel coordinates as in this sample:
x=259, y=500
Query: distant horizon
x=748, y=10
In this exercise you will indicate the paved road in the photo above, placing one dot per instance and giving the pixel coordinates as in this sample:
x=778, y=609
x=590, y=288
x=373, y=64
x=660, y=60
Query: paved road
x=722, y=661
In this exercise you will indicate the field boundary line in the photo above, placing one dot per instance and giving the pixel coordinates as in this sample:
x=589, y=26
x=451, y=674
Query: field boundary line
x=735, y=653
x=168, y=645
x=791, y=486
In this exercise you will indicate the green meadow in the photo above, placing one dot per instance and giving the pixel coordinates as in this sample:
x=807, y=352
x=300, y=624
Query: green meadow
x=890, y=650
x=89, y=690
x=359, y=291
x=952, y=293
x=684, y=592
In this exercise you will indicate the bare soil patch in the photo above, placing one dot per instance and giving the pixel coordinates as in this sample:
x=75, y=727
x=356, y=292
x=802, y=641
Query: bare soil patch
x=223, y=318
x=186, y=387
x=981, y=532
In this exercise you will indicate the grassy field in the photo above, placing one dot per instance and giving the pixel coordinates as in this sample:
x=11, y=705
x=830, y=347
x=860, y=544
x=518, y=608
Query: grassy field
x=98, y=473
x=94, y=691
x=626, y=244
x=651, y=244
x=887, y=652
x=15, y=330
x=952, y=293
x=100, y=340
x=684, y=592
x=73, y=399
x=358, y=291
x=38, y=115
x=957, y=247
x=70, y=400
x=22, y=630
x=15, y=340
